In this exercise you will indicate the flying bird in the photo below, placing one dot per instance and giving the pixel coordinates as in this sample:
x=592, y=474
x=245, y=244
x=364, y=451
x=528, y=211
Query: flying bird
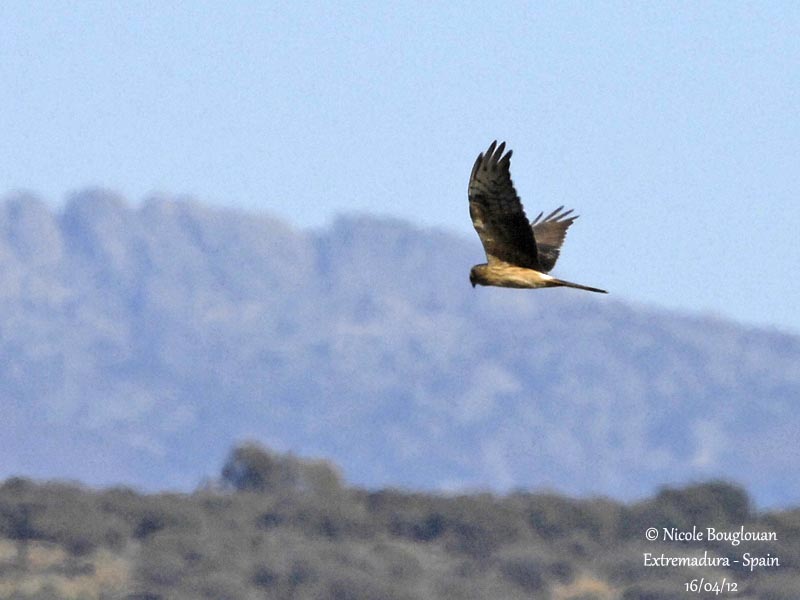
x=519, y=254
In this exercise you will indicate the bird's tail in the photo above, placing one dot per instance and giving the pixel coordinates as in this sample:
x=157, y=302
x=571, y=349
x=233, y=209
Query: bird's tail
x=556, y=282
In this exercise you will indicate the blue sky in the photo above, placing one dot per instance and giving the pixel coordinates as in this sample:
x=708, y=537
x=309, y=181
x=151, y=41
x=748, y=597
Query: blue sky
x=672, y=128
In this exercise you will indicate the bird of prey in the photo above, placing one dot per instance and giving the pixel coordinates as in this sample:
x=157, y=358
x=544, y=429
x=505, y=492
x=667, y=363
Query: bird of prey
x=518, y=254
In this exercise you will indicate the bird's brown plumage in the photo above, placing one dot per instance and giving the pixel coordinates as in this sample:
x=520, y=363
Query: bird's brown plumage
x=497, y=212
x=518, y=253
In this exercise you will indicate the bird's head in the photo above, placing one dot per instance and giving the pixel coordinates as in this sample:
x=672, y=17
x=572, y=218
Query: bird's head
x=473, y=277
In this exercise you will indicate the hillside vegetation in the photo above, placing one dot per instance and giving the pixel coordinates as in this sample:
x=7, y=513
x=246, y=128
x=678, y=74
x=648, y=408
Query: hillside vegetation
x=275, y=526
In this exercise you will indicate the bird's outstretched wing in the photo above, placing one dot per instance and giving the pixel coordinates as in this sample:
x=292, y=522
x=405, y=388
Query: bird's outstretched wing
x=497, y=212
x=549, y=233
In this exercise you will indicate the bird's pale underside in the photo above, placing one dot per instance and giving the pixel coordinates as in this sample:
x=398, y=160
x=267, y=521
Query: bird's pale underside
x=519, y=254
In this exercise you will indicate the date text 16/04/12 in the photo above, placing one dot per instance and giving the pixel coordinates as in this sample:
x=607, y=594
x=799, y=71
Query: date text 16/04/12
x=714, y=587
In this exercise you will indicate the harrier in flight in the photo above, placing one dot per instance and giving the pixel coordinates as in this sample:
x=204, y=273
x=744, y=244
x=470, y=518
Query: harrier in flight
x=518, y=254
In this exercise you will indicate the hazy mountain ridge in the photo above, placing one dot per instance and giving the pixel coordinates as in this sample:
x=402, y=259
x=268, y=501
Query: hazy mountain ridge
x=163, y=333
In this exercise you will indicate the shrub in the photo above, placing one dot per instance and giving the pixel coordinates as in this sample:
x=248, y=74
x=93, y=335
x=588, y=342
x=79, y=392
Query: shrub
x=709, y=504
x=253, y=468
x=527, y=573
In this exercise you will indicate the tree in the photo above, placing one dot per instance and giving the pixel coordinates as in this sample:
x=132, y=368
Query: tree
x=17, y=523
x=253, y=468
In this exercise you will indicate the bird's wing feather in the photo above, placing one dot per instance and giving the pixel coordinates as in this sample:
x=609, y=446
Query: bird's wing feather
x=550, y=232
x=497, y=212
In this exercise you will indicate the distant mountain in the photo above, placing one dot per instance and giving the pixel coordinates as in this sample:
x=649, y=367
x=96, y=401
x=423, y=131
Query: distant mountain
x=139, y=344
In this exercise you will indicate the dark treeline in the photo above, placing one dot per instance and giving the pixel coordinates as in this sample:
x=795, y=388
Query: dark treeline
x=278, y=526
